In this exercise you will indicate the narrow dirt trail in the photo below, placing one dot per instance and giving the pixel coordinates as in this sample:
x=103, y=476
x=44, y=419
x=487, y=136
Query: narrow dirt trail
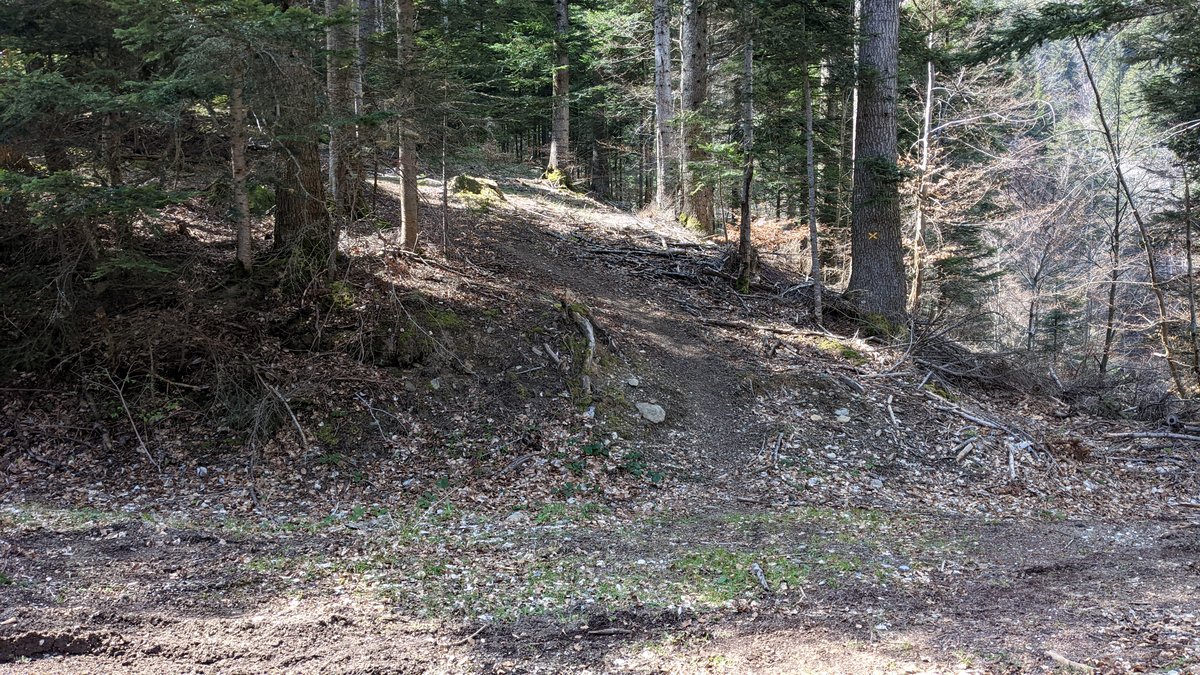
x=680, y=362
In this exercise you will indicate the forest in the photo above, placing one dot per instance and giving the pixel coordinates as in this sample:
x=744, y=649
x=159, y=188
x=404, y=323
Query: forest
x=516, y=336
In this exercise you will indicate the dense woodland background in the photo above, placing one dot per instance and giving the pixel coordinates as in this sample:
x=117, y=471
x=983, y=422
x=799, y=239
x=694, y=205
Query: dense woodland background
x=1035, y=201
x=599, y=335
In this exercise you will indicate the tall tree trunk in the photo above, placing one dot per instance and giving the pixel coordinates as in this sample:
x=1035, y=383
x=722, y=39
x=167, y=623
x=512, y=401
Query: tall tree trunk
x=366, y=28
x=830, y=170
x=697, y=210
x=301, y=219
x=1114, y=255
x=745, y=242
x=410, y=215
x=238, y=168
x=600, y=181
x=814, y=242
x=877, y=279
x=303, y=228
x=1164, y=332
x=664, y=110
x=560, y=118
x=1191, y=283
x=339, y=71
x=918, y=244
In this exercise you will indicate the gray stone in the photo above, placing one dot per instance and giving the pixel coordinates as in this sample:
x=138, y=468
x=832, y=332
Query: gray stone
x=517, y=517
x=632, y=381
x=652, y=412
x=876, y=484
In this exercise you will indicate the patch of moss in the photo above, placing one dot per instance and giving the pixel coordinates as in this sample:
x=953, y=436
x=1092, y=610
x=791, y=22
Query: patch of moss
x=442, y=319
x=692, y=223
x=845, y=351
x=479, y=187
x=878, y=325
x=558, y=178
x=721, y=574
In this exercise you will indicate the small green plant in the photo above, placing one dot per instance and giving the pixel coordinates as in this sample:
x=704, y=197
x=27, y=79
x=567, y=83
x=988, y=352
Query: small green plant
x=634, y=463
x=595, y=449
x=6, y=580
x=331, y=459
x=551, y=513
x=327, y=436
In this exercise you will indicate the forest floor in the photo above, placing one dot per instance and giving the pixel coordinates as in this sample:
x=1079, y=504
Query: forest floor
x=812, y=501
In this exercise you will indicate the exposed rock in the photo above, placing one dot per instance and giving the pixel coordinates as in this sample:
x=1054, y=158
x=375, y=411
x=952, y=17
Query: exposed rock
x=517, y=517
x=652, y=412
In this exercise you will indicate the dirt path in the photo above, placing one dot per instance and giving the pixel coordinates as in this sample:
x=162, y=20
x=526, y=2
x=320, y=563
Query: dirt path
x=938, y=568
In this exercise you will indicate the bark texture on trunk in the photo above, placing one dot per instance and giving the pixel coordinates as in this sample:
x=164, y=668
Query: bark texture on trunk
x=303, y=228
x=410, y=216
x=238, y=169
x=664, y=110
x=339, y=72
x=877, y=281
x=601, y=182
x=560, y=118
x=697, y=211
x=745, y=241
x=814, y=241
x=301, y=219
x=1191, y=276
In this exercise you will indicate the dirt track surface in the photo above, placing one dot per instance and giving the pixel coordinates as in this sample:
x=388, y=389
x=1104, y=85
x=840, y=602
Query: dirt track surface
x=878, y=553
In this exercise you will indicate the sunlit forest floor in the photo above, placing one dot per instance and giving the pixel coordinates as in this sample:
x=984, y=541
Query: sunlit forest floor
x=474, y=501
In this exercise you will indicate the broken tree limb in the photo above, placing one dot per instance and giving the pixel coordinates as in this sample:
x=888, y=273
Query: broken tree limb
x=760, y=576
x=947, y=406
x=746, y=325
x=1068, y=663
x=1155, y=434
x=589, y=334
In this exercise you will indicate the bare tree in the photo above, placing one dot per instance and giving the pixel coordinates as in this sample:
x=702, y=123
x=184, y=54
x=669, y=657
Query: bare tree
x=1151, y=267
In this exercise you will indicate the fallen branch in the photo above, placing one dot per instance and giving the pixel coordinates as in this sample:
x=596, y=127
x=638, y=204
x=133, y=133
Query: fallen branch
x=1154, y=434
x=757, y=571
x=512, y=465
x=610, y=631
x=125, y=406
x=459, y=643
x=746, y=325
x=1068, y=663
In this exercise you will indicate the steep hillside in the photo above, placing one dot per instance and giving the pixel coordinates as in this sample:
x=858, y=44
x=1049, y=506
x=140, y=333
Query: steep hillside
x=557, y=440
